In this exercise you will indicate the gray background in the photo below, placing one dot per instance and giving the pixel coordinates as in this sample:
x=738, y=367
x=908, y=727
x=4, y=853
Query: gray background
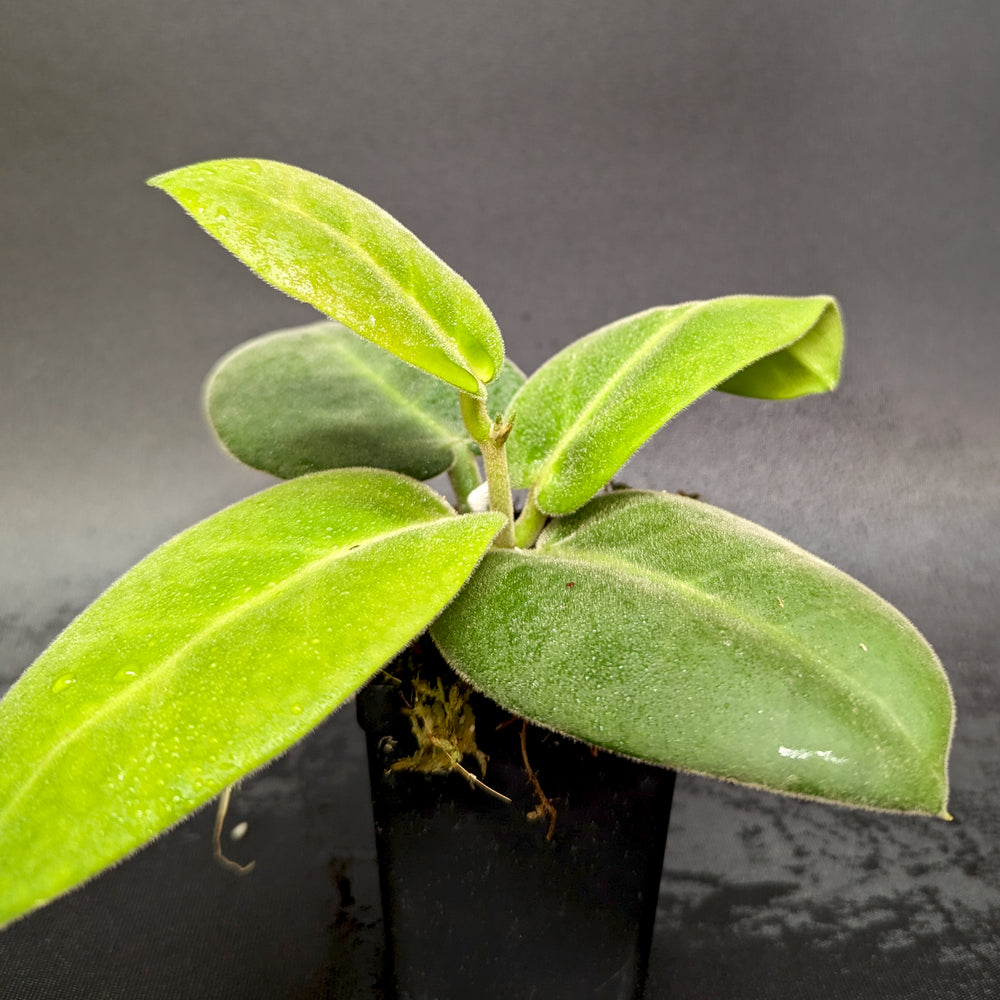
x=576, y=162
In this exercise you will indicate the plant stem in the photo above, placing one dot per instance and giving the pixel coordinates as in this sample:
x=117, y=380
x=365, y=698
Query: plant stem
x=495, y=460
x=529, y=525
x=476, y=416
x=491, y=436
x=464, y=476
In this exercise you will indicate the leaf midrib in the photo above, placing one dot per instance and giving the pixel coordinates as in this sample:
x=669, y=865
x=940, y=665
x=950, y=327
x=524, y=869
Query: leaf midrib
x=446, y=343
x=565, y=439
x=444, y=434
x=667, y=332
x=665, y=581
x=157, y=670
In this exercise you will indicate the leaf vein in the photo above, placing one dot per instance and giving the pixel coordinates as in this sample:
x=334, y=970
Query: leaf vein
x=660, y=581
x=158, y=670
x=565, y=439
x=346, y=240
x=443, y=433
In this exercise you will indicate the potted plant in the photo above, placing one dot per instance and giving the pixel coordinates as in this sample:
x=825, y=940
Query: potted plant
x=647, y=626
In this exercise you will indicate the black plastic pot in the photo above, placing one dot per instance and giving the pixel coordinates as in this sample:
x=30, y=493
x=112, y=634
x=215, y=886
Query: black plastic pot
x=477, y=900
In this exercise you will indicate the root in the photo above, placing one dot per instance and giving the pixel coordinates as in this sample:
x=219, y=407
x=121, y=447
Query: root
x=444, y=727
x=220, y=819
x=476, y=782
x=544, y=805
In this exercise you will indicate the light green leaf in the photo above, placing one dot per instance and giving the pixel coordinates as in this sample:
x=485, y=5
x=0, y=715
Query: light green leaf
x=319, y=397
x=808, y=365
x=210, y=657
x=326, y=245
x=663, y=628
x=585, y=411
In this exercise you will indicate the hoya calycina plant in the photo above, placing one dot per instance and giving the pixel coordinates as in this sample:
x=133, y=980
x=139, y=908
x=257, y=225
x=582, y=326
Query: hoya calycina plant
x=649, y=624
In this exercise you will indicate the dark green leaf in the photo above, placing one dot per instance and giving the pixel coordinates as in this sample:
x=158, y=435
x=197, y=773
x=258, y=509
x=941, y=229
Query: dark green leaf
x=319, y=397
x=666, y=629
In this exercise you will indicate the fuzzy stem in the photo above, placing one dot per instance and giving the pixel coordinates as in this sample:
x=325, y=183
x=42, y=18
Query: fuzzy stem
x=464, y=476
x=529, y=525
x=492, y=439
x=476, y=417
x=495, y=460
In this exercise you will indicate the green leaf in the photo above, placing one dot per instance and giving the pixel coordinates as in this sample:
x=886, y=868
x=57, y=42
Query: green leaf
x=210, y=657
x=806, y=366
x=319, y=397
x=586, y=411
x=326, y=245
x=663, y=628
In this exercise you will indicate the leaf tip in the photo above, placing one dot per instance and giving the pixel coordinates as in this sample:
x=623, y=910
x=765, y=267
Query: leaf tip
x=168, y=181
x=480, y=391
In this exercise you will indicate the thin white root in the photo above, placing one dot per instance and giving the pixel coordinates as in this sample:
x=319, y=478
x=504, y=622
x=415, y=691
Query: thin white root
x=220, y=819
x=478, y=783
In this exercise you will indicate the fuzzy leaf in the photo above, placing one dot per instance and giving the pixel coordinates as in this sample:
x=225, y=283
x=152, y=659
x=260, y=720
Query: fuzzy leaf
x=587, y=410
x=319, y=397
x=806, y=366
x=326, y=245
x=666, y=629
x=210, y=657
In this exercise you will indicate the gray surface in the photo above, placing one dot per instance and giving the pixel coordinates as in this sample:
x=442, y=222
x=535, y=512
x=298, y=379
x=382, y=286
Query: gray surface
x=576, y=162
